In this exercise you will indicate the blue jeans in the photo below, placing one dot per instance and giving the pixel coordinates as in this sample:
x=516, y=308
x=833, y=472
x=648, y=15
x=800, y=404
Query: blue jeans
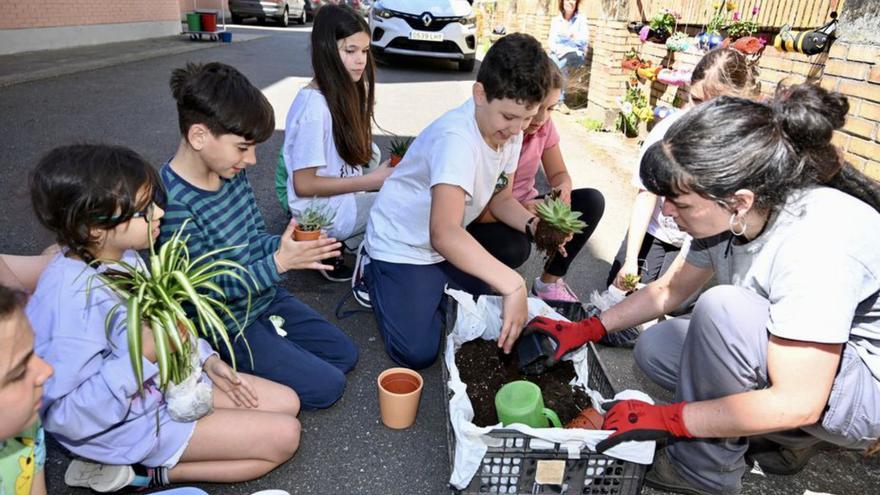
x=312, y=358
x=409, y=306
x=570, y=60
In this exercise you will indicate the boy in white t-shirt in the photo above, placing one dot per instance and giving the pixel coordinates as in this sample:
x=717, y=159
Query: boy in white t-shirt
x=460, y=164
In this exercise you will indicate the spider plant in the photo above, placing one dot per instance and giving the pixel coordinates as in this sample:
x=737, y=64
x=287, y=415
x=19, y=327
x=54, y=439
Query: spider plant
x=159, y=298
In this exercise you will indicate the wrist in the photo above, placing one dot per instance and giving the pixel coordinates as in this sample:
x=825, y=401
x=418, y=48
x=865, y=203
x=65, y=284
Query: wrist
x=278, y=266
x=673, y=418
x=529, y=228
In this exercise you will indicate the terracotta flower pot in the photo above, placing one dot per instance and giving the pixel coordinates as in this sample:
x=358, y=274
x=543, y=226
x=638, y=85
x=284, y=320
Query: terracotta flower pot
x=395, y=159
x=399, y=392
x=306, y=235
x=588, y=419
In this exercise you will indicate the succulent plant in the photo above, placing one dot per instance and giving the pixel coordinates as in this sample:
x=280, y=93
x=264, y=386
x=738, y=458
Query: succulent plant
x=399, y=145
x=630, y=281
x=316, y=216
x=558, y=214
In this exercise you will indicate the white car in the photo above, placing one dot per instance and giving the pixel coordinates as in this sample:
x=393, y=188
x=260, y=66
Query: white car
x=425, y=28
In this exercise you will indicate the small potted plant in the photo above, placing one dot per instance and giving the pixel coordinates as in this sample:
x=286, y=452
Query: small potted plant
x=158, y=299
x=678, y=42
x=561, y=222
x=659, y=27
x=318, y=215
x=399, y=146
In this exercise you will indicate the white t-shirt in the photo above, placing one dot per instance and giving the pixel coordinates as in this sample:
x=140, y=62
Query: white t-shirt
x=309, y=143
x=818, y=263
x=660, y=226
x=449, y=151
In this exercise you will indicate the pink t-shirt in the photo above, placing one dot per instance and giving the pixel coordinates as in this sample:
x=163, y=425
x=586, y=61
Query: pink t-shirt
x=533, y=147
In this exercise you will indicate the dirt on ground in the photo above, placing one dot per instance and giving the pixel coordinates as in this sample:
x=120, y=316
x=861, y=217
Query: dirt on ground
x=484, y=368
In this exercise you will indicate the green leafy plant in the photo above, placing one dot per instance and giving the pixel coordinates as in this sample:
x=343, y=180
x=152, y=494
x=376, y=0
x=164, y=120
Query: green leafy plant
x=317, y=215
x=159, y=298
x=630, y=282
x=399, y=146
x=594, y=125
x=663, y=21
x=558, y=222
x=634, y=107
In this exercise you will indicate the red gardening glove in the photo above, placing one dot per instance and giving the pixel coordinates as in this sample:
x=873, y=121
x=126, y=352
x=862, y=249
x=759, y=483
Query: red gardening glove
x=637, y=420
x=567, y=336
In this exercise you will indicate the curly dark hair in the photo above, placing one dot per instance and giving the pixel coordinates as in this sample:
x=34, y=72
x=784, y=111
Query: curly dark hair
x=220, y=97
x=11, y=300
x=80, y=187
x=516, y=68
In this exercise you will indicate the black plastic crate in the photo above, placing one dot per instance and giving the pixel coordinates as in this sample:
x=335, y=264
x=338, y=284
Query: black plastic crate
x=511, y=467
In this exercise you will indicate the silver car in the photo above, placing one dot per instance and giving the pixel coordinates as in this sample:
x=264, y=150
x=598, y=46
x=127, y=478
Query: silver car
x=282, y=11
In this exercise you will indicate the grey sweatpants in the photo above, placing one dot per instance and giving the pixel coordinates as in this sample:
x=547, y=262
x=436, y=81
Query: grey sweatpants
x=720, y=350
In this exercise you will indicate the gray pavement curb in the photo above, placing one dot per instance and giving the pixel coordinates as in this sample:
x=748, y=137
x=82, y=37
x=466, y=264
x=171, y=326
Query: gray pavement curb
x=64, y=69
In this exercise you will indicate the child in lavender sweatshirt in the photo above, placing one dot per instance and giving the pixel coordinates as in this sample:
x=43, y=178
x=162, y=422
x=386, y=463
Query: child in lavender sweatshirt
x=100, y=204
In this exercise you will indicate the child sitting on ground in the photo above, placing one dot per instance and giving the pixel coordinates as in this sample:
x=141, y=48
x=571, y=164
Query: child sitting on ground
x=540, y=148
x=462, y=162
x=222, y=117
x=22, y=375
x=99, y=203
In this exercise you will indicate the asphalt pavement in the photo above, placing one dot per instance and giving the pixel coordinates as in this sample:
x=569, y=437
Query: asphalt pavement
x=345, y=449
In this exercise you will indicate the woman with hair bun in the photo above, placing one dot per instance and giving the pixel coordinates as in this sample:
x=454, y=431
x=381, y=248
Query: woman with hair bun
x=787, y=345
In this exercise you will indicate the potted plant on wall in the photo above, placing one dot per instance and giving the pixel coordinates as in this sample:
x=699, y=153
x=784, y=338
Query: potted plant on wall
x=159, y=298
x=398, y=148
x=659, y=27
x=318, y=215
x=634, y=108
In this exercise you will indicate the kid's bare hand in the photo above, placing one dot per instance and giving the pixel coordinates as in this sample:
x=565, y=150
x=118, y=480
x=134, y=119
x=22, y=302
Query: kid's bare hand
x=304, y=255
x=515, y=312
x=561, y=247
x=226, y=379
x=532, y=205
x=628, y=268
x=564, y=192
x=148, y=343
x=382, y=172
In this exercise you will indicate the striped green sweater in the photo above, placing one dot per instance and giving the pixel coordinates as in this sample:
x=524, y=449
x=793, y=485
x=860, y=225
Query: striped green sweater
x=227, y=217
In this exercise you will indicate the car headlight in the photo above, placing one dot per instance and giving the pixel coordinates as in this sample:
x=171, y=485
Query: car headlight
x=379, y=13
x=469, y=20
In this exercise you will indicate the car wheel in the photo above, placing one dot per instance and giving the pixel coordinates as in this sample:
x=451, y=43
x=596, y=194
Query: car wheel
x=284, y=20
x=237, y=19
x=466, y=65
x=302, y=17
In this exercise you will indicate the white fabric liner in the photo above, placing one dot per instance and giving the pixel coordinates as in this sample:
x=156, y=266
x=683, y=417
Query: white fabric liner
x=482, y=319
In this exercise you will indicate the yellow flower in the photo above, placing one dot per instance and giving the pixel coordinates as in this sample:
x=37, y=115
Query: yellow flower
x=731, y=5
x=716, y=5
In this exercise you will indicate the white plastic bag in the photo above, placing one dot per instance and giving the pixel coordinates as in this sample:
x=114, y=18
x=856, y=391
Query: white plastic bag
x=482, y=319
x=192, y=398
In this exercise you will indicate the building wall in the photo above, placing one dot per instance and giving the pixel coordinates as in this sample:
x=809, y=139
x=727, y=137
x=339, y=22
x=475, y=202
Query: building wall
x=852, y=68
x=27, y=25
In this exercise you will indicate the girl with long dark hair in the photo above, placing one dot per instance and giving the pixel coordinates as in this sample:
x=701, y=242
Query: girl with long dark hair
x=328, y=136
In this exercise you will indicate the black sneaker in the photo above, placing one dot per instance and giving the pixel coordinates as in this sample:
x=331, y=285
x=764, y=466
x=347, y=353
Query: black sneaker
x=358, y=285
x=340, y=273
x=782, y=460
x=663, y=476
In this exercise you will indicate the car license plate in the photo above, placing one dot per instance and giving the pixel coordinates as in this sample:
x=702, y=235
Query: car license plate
x=425, y=36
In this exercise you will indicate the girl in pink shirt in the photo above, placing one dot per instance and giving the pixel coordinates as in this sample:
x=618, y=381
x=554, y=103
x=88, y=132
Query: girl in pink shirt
x=541, y=147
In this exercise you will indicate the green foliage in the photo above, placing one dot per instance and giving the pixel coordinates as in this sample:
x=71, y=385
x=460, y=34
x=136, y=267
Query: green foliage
x=741, y=29
x=663, y=21
x=594, y=125
x=158, y=298
x=399, y=145
x=317, y=215
x=559, y=215
x=630, y=281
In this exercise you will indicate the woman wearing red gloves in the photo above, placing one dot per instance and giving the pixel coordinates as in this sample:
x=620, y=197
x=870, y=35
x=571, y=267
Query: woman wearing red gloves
x=787, y=346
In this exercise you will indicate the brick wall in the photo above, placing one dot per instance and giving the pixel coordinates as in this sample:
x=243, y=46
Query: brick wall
x=21, y=14
x=852, y=69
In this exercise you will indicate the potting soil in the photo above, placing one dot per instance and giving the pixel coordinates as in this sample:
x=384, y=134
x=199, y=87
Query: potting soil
x=484, y=368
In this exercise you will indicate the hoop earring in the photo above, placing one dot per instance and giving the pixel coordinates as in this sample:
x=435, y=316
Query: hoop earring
x=730, y=225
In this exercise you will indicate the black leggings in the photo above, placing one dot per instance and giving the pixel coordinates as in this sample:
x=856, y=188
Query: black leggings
x=655, y=257
x=513, y=248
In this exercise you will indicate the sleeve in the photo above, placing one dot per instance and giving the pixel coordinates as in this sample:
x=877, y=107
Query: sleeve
x=267, y=243
x=452, y=162
x=553, y=37
x=262, y=273
x=304, y=139
x=205, y=351
x=814, y=292
x=90, y=372
x=699, y=254
x=552, y=135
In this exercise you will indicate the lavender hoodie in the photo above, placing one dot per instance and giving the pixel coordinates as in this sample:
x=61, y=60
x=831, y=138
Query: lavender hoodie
x=91, y=404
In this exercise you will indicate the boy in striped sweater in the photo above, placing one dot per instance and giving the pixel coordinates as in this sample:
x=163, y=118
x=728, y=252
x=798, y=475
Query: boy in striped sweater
x=222, y=118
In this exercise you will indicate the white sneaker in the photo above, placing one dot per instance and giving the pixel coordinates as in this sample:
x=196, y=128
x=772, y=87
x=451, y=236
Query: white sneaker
x=102, y=478
x=358, y=287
